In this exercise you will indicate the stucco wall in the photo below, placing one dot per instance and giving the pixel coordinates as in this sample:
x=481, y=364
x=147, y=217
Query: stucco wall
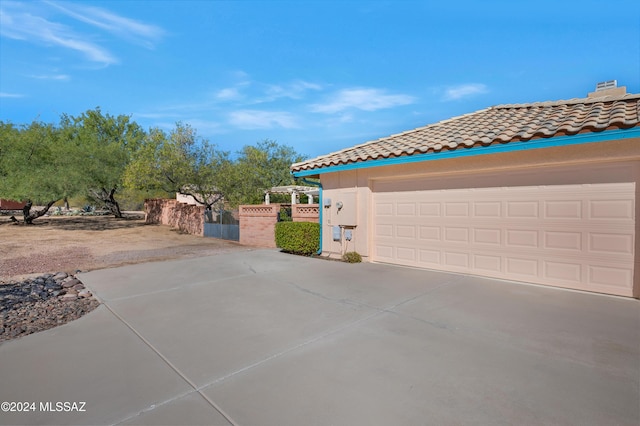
x=185, y=217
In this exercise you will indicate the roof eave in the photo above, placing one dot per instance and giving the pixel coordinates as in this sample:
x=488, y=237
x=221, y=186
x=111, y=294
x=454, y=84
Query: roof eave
x=581, y=138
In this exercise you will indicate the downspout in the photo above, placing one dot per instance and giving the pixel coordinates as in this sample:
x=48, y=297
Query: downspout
x=320, y=208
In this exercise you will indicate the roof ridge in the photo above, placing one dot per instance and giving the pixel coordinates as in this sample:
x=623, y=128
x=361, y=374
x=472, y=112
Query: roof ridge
x=499, y=124
x=572, y=101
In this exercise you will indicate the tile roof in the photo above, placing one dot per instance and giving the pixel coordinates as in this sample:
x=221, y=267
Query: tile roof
x=498, y=124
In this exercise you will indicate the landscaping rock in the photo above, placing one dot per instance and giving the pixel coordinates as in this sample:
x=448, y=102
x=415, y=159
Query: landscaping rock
x=70, y=283
x=60, y=276
x=41, y=303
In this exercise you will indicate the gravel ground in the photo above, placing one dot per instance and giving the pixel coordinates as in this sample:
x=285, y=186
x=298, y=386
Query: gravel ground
x=41, y=303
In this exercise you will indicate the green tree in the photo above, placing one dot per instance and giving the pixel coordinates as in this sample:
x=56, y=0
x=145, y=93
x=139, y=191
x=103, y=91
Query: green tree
x=104, y=144
x=37, y=165
x=180, y=162
x=260, y=167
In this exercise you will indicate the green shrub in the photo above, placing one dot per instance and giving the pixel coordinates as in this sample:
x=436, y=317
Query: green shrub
x=298, y=237
x=352, y=257
x=285, y=215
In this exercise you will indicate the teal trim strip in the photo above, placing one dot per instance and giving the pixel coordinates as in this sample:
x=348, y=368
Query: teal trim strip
x=607, y=135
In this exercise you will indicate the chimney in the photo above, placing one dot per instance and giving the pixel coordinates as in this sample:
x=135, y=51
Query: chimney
x=608, y=88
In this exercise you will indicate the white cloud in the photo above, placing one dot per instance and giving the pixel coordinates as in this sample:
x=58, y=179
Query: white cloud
x=91, y=50
x=27, y=22
x=21, y=24
x=121, y=26
x=58, y=77
x=229, y=94
x=366, y=99
x=464, y=90
x=252, y=92
x=255, y=119
x=10, y=95
x=294, y=90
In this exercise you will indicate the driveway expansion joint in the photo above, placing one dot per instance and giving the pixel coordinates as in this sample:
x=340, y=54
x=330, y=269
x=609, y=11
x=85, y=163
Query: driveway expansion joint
x=176, y=370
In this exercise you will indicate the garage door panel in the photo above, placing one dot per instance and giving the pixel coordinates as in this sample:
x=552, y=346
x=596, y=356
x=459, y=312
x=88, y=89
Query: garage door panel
x=456, y=235
x=562, y=240
x=489, y=263
x=384, y=252
x=522, y=267
x=406, y=209
x=430, y=258
x=611, y=243
x=562, y=271
x=383, y=230
x=456, y=209
x=430, y=233
x=522, y=209
x=614, y=210
x=384, y=209
x=609, y=276
x=487, y=209
x=521, y=238
x=457, y=260
x=492, y=236
x=430, y=209
x=563, y=210
x=406, y=253
x=575, y=236
x=406, y=231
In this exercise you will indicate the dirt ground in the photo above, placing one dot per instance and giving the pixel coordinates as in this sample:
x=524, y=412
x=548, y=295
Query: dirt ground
x=71, y=243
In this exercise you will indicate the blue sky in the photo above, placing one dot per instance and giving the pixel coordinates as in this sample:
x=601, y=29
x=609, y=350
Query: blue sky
x=316, y=75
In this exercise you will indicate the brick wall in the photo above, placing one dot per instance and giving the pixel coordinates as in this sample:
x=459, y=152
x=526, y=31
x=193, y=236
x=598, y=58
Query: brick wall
x=258, y=222
x=185, y=217
x=257, y=225
x=305, y=212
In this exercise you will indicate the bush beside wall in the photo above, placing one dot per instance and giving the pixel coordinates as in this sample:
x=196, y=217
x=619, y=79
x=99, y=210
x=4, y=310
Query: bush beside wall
x=298, y=237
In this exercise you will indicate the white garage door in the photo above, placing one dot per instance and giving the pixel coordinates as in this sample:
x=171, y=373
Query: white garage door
x=574, y=236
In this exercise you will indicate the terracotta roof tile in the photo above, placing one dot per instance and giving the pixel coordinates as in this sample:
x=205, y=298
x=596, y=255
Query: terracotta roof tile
x=498, y=124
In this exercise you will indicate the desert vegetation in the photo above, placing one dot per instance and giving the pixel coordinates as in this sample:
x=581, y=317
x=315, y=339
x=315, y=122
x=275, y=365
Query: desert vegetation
x=101, y=159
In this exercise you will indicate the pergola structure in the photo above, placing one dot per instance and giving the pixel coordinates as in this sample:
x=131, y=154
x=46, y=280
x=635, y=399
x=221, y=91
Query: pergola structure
x=295, y=191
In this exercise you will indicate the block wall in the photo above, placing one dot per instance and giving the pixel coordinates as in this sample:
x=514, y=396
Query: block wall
x=305, y=212
x=185, y=217
x=257, y=225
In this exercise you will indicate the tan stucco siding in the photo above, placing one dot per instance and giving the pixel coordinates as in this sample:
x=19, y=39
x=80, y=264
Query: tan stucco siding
x=349, y=188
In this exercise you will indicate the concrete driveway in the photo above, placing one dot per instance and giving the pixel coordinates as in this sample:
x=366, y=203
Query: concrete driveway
x=259, y=337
